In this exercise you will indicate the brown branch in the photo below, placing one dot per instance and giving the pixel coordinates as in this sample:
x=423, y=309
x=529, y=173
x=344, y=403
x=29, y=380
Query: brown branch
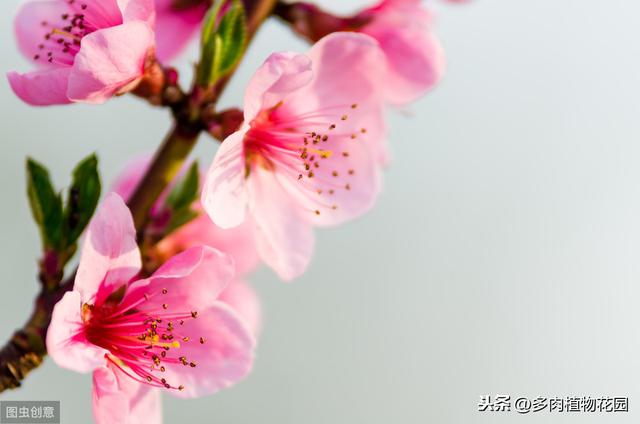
x=313, y=23
x=26, y=348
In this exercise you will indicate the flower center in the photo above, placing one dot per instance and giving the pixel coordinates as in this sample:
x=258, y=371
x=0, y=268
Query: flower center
x=311, y=148
x=61, y=39
x=141, y=342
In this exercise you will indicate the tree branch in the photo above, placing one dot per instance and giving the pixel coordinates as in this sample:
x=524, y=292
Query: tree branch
x=26, y=348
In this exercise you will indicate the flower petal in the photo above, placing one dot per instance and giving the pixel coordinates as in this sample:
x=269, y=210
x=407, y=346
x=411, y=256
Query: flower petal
x=237, y=242
x=344, y=186
x=98, y=13
x=109, y=60
x=41, y=88
x=415, y=59
x=118, y=398
x=66, y=342
x=127, y=181
x=193, y=280
x=280, y=75
x=285, y=239
x=29, y=28
x=138, y=10
x=416, y=63
x=224, y=195
x=243, y=299
x=110, y=255
x=347, y=69
x=223, y=358
x=175, y=28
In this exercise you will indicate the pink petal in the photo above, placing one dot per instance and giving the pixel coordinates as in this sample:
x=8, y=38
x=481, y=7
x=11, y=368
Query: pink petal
x=415, y=58
x=193, y=280
x=225, y=357
x=110, y=405
x=118, y=398
x=416, y=63
x=29, y=30
x=109, y=60
x=401, y=13
x=285, y=239
x=110, y=255
x=41, y=88
x=347, y=69
x=360, y=170
x=238, y=242
x=224, y=195
x=66, y=343
x=174, y=29
x=138, y=10
x=100, y=13
x=127, y=181
x=243, y=299
x=280, y=75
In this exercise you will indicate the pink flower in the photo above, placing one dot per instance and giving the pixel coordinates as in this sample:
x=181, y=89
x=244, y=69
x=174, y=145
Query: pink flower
x=308, y=152
x=237, y=242
x=85, y=50
x=139, y=335
x=414, y=57
x=176, y=26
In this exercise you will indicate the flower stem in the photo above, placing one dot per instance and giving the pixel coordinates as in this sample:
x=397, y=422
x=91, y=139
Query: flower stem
x=313, y=23
x=165, y=166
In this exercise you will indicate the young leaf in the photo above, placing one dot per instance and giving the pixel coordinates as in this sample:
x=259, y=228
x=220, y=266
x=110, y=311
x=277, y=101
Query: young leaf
x=222, y=44
x=83, y=197
x=186, y=190
x=233, y=35
x=208, y=45
x=179, y=218
x=46, y=204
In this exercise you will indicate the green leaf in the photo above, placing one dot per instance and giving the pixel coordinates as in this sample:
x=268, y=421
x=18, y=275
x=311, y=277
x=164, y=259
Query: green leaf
x=82, y=199
x=46, y=204
x=180, y=199
x=186, y=190
x=222, y=44
x=207, y=42
x=233, y=36
x=178, y=219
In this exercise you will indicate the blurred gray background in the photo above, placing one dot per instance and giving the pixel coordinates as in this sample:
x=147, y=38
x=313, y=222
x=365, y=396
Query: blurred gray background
x=503, y=256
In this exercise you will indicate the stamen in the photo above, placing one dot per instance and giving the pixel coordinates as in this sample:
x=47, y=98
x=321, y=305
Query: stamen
x=288, y=145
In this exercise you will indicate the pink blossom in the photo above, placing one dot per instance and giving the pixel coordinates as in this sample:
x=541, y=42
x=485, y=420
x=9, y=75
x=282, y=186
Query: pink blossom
x=176, y=26
x=237, y=242
x=308, y=152
x=167, y=331
x=414, y=57
x=85, y=50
